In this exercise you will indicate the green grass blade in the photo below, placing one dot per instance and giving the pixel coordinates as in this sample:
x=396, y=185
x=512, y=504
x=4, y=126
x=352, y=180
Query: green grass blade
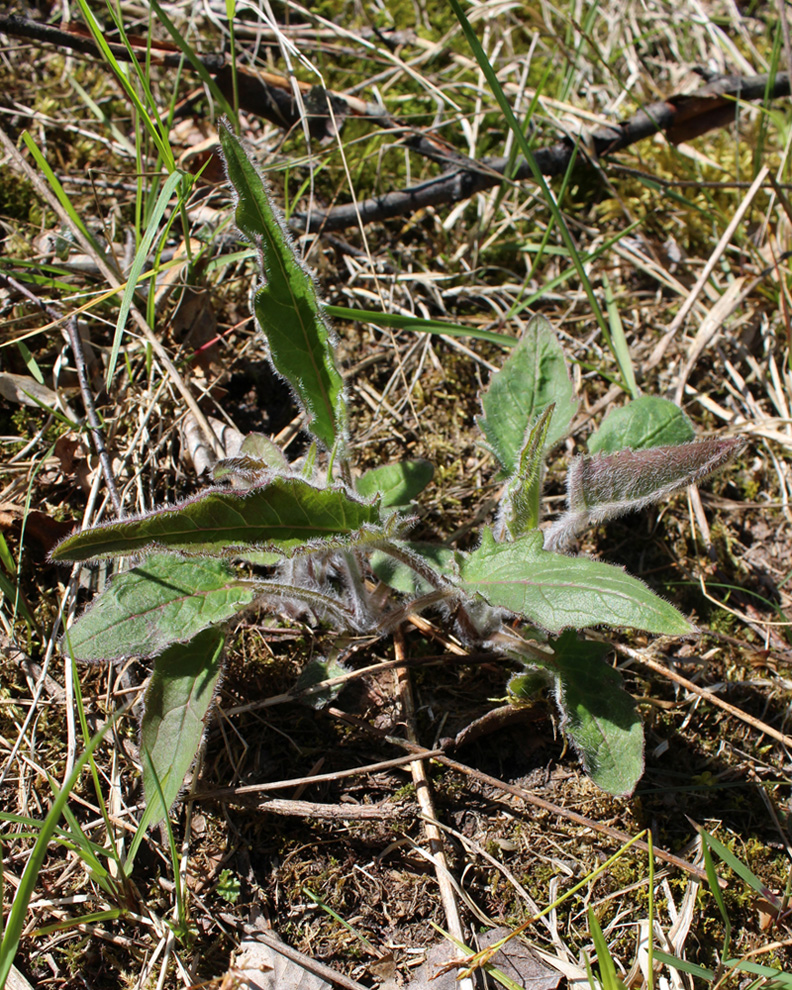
x=684, y=966
x=418, y=324
x=16, y=917
x=607, y=967
x=732, y=861
x=617, y=341
x=95, y=918
x=511, y=120
x=141, y=255
x=160, y=141
x=566, y=275
x=197, y=64
x=62, y=198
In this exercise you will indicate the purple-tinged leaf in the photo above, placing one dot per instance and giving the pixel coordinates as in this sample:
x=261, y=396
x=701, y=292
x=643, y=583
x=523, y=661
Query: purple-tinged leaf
x=282, y=514
x=605, y=486
x=164, y=600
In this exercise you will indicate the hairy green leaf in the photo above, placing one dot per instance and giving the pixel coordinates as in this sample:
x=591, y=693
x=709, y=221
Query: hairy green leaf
x=164, y=600
x=599, y=715
x=283, y=513
x=533, y=376
x=518, y=511
x=649, y=421
x=557, y=592
x=183, y=684
x=286, y=306
x=398, y=483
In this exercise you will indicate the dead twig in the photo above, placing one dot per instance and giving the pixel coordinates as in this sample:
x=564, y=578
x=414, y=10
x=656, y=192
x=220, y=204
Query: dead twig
x=311, y=965
x=75, y=342
x=613, y=833
x=77, y=38
x=226, y=793
x=708, y=696
x=97, y=435
x=681, y=118
x=332, y=812
x=423, y=793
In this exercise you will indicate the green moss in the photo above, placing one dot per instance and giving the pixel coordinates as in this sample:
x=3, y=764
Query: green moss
x=17, y=199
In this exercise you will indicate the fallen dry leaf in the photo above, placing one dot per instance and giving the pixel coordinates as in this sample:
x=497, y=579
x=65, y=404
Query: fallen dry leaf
x=26, y=391
x=258, y=967
x=40, y=530
x=196, y=449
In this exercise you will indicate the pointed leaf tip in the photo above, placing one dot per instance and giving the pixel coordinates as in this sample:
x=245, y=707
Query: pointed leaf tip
x=533, y=376
x=286, y=307
x=182, y=687
x=607, y=485
x=282, y=513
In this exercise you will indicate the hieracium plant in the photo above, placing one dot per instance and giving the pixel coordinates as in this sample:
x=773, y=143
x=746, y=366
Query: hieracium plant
x=320, y=542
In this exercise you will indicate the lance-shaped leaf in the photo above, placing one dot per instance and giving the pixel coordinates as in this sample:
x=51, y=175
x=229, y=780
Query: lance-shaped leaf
x=183, y=684
x=598, y=715
x=557, y=592
x=398, y=484
x=608, y=485
x=649, y=421
x=286, y=306
x=518, y=511
x=283, y=513
x=533, y=376
x=164, y=600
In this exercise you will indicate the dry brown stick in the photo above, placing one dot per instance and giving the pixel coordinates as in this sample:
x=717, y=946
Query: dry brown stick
x=311, y=965
x=573, y=816
x=353, y=675
x=612, y=833
x=319, y=778
x=78, y=39
x=713, y=699
x=75, y=342
x=681, y=117
x=423, y=793
x=657, y=354
x=333, y=812
x=265, y=94
x=97, y=434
